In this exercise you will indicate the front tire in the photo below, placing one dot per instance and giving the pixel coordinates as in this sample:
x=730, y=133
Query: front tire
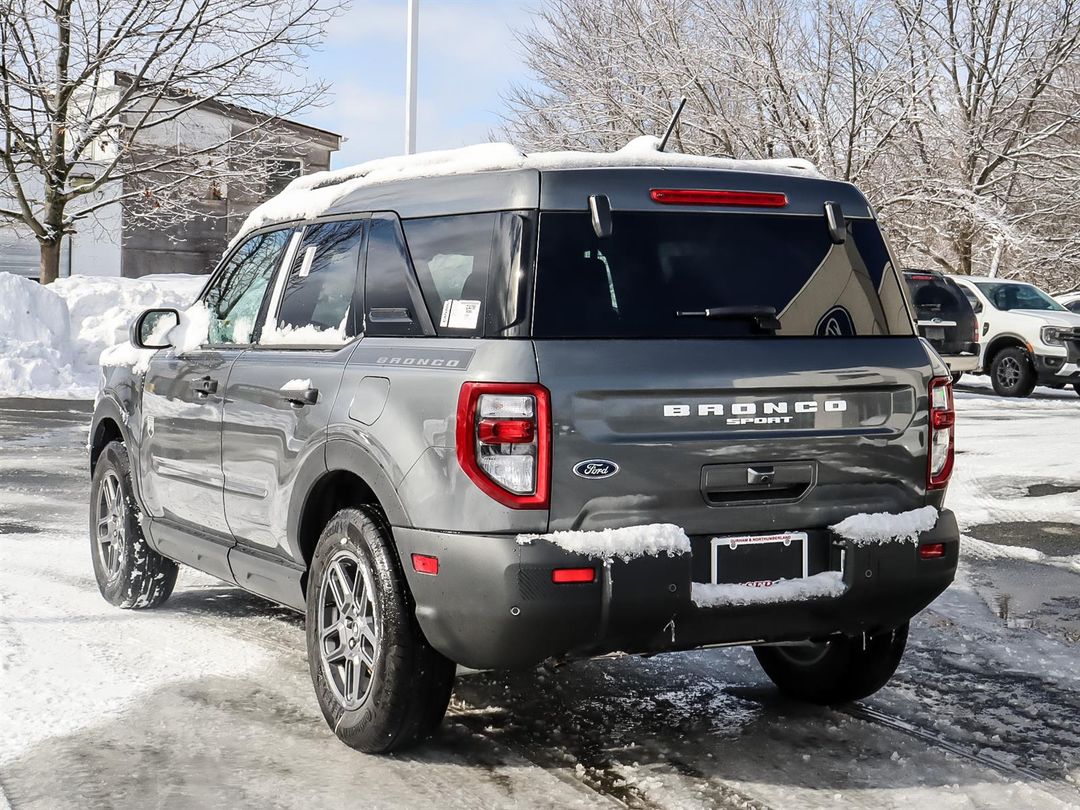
x=129, y=573
x=380, y=685
x=1011, y=373
x=839, y=670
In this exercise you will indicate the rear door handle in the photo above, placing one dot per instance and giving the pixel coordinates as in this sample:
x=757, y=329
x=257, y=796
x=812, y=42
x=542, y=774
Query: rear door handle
x=301, y=397
x=204, y=387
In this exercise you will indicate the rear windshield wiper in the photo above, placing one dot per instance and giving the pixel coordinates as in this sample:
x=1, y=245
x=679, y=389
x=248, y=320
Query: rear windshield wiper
x=764, y=318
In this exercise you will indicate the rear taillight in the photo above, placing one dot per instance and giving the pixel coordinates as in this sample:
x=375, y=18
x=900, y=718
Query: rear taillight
x=504, y=441
x=942, y=428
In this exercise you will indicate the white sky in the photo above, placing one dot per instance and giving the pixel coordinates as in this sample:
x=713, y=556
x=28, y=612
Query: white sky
x=468, y=58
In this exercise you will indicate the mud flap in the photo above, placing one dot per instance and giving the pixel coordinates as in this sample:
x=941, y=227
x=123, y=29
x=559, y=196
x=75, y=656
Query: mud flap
x=642, y=600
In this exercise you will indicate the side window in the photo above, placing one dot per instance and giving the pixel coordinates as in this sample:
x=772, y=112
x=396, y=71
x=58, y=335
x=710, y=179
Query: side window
x=388, y=280
x=452, y=256
x=316, y=301
x=236, y=296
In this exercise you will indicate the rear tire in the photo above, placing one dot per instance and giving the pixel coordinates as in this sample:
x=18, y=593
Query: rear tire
x=1011, y=373
x=380, y=685
x=836, y=671
x=129, y=573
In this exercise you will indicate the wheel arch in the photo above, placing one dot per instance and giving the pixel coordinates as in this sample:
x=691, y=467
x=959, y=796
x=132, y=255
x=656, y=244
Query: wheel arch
x=350, y=478
x=999, y=342
x=108, y=424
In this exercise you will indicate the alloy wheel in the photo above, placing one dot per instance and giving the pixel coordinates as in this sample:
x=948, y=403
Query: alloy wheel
x=111, y=525
x=1008, y=372
x=348, y=628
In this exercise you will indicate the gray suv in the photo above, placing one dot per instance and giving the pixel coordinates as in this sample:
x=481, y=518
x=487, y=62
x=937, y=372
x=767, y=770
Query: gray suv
x=493, y=418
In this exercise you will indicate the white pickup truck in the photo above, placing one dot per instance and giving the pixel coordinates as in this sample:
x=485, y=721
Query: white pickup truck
x=1027, y=337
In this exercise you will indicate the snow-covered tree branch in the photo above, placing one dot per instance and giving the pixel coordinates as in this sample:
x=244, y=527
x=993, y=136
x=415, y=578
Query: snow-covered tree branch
x=93, y=92
x=959, y=118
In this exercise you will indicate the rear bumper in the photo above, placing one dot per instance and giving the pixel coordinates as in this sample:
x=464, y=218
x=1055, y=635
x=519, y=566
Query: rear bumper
x=493, y=604
x=962, y=362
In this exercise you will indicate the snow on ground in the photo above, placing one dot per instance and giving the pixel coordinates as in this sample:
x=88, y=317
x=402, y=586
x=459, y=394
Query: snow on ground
x=207, y=700
x=51, y=337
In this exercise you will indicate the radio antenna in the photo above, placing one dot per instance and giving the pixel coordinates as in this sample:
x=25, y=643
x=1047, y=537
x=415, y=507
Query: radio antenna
x=671, y=124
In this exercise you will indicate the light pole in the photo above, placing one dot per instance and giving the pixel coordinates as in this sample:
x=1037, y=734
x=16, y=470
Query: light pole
x=410, y=76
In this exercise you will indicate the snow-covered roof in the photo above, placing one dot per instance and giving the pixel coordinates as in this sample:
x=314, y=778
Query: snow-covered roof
x=311, y=195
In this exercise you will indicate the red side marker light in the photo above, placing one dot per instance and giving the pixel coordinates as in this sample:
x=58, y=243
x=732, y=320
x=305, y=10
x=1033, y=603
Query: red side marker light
x=562, y=576
x=739, y=199
x=932, y=551
x=425, y=564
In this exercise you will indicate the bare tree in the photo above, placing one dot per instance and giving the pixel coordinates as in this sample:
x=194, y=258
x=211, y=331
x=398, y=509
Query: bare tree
x=988, y=183
x=93, y=91
x=959, y=118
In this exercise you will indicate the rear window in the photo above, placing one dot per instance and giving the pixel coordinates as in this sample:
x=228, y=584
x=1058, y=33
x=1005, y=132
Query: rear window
x=934, y=297
x=656, y=265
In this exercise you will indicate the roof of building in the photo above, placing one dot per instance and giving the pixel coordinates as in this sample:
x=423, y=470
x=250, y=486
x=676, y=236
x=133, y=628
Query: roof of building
x=240, y=112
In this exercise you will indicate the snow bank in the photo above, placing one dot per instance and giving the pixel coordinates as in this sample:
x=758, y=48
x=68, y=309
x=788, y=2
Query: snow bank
x=828, y=584
x=36, y=352
x=308, y=196
x=625, y=544
x=885, y=527
x=51, y=337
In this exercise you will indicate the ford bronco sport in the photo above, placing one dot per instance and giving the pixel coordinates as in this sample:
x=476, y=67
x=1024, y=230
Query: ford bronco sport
x=504, y=414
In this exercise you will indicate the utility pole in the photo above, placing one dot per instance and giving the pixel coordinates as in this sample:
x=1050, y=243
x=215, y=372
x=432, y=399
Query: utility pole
x=410, y=76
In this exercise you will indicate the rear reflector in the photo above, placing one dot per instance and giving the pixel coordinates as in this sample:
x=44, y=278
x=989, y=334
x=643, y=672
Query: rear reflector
x=561, y=576
x=932, y=551
x=689, y=196
x=425, y=564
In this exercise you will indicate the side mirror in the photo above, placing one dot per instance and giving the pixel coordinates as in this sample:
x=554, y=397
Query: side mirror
x=834, y=219
x=151, y=329
x=977, y=306
x=600, y=213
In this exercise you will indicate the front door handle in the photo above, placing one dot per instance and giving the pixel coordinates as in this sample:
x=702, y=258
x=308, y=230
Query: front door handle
x=301, y=396
x=204, y=387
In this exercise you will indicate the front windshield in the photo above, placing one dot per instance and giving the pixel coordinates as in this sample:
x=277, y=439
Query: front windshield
x=1017, y=296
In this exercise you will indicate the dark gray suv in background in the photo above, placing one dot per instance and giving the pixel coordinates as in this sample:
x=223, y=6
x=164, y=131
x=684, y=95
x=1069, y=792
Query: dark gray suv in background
x=496, y=417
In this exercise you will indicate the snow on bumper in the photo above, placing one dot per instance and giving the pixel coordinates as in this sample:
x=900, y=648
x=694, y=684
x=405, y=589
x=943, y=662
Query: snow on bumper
x=624, y=544
x=818, y=586
x=885, y=527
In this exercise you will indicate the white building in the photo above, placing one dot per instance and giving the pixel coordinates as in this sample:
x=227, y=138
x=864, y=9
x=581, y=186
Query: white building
x=112, y=243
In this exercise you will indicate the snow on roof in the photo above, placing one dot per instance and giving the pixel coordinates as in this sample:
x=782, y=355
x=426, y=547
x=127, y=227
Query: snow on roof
x=308, y=196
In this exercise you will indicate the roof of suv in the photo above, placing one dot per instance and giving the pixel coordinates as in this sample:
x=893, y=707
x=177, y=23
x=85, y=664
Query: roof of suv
x=500, y=176
x=958, y=277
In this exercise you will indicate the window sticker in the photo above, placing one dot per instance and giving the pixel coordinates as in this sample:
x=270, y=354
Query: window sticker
x=460, y=314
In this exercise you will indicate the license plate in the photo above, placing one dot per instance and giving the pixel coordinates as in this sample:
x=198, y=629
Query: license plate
x=935, y=332
x=759, y=559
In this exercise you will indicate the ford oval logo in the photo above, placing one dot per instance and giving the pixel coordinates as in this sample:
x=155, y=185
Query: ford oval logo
x=595, y=468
